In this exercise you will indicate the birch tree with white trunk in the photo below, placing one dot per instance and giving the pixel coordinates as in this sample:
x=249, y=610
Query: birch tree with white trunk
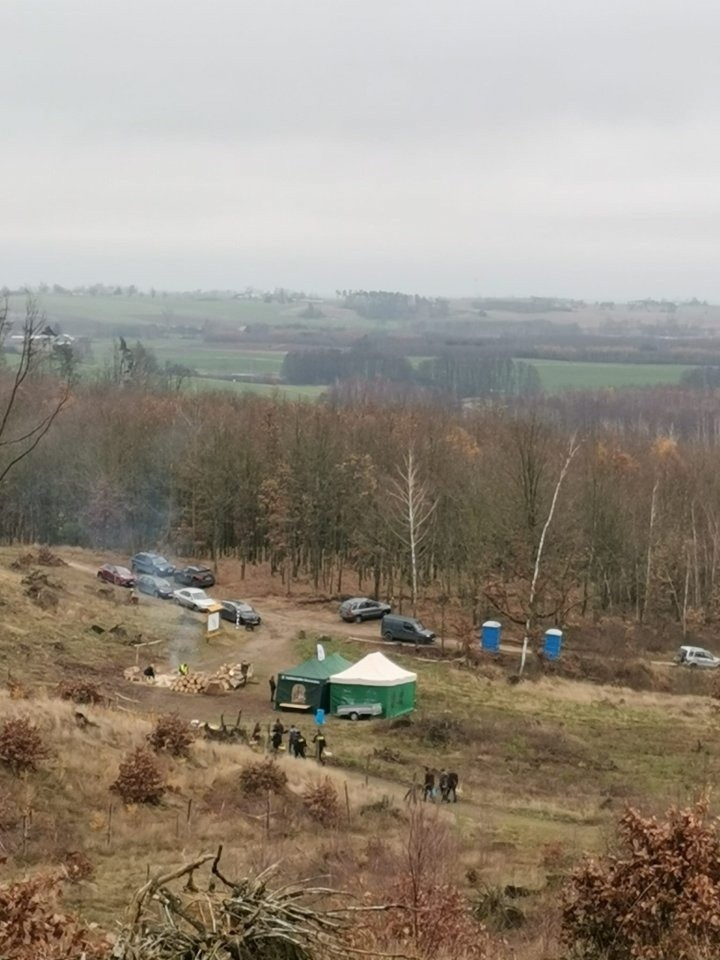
x=413, y=511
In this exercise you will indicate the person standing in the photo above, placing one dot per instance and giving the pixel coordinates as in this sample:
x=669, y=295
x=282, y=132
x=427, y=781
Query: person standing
x=453, y=781
x=276, y=735
x=292, y=740
x=429, y=785
x=273, y=687
x=300, y=746
x=443, y=784
x=321, y=742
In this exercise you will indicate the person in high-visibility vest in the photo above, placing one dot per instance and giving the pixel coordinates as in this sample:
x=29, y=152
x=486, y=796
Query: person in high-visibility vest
x=183, y=669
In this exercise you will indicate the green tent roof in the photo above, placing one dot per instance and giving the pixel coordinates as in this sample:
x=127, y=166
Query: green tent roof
x=314, y=669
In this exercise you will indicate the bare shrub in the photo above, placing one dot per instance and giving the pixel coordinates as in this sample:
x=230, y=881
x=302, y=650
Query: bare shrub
x=262, y=777
x=79, y=691
x=32, y=926
x=657, y=898
x=495, y=908
x=22, y=746
x=140, y=779
x=432, y=913
x=46, y=558
x=77, y=866
x=17, y=690
x=321, y=802
x=441, y=731
x=171, y=734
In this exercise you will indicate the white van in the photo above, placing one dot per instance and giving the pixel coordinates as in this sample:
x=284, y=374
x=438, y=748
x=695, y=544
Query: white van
x=696, y=657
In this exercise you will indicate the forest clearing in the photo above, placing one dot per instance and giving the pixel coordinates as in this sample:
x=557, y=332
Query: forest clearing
x=546, y=766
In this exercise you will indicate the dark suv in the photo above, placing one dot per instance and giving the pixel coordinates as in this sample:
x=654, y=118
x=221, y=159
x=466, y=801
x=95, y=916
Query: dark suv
x=151, y=563
x=195, y=577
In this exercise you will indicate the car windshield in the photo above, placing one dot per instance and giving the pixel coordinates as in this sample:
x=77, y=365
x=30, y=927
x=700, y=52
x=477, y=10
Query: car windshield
x=160, y=560
x=196, y=593
x=123, y=571
x=240, y=605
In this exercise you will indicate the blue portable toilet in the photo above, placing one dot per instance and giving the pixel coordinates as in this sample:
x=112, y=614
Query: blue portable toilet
x=553, y=643
x=490, y=636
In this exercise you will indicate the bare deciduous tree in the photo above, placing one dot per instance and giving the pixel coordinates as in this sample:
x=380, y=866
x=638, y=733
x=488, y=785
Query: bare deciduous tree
x=414, y=510
x=23, y=422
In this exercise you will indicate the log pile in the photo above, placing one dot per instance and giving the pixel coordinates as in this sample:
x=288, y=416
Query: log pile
x=228, y=677
x=190, y=683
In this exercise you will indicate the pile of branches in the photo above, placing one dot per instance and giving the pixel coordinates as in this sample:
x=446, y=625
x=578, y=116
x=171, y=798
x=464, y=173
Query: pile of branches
x=243, y=920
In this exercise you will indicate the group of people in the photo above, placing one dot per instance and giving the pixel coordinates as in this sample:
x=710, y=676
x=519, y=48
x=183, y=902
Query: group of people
x=447, y=784
x=297, y=744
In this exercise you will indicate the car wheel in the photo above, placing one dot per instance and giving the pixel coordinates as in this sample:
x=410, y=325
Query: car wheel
x=358, y=619
x=387, y=635
x=354, y=716
x=157, y=594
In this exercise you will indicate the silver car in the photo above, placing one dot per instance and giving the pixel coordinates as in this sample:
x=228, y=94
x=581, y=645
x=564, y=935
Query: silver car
x=193, y=598
x=696, y=657
x=363, y=608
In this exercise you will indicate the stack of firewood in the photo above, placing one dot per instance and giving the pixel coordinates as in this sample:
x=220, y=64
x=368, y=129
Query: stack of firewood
x=190, y=683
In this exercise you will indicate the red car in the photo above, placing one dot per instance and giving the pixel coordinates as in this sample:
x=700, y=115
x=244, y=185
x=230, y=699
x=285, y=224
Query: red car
x=120, y=576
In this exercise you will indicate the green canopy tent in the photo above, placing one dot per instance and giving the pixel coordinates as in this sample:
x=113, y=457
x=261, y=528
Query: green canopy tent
x=374, y=679
x=306, y=687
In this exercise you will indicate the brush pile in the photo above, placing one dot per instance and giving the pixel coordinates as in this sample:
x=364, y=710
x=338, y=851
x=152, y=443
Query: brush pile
x=245, y=919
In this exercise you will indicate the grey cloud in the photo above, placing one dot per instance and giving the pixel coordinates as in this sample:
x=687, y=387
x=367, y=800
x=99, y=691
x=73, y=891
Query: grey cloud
x=562, y=146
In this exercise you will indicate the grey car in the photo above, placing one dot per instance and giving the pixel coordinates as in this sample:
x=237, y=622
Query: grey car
x=357, y=609
x=155, y=586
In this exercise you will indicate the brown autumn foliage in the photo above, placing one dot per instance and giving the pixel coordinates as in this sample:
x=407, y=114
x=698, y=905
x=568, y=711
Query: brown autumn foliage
x=22, y=746
x=321, y=802
x=32, y=926
x=140, y=779
x=171, y=734
x=79, y=691
x=657, y=898
x=262, y=777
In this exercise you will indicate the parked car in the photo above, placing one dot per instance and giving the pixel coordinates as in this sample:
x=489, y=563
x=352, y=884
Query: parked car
x=237, y=611
x=193, y=599
x=696, y=657
x=195, y=577
x=155, y=586
x=153, y=564
x=120, y=576
x=363, y=608
x=406, y=629
x=358, y=710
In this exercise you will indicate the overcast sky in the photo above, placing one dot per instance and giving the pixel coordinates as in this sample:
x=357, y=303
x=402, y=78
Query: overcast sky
x=443, y=146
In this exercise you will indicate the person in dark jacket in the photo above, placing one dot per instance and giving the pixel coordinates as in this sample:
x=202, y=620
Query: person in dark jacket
x=292, y=740
x=300, y=746
x=443, y=784
x=429, y=785
x=453, y=781
x=273, y=688
x=321, y=743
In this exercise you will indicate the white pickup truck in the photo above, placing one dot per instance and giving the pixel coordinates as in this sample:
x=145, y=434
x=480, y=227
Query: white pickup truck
x=357, y=710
